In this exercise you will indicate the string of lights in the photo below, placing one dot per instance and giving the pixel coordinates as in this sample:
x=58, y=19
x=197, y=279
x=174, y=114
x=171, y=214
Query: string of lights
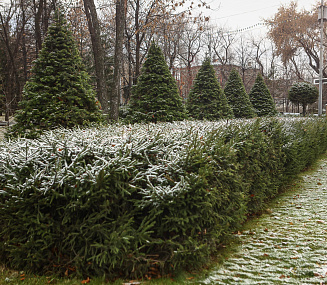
x=261, y=25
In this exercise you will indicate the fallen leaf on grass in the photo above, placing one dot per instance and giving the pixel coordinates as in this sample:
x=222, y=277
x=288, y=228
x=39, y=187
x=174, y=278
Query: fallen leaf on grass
x=317, y=274
x=87, y=280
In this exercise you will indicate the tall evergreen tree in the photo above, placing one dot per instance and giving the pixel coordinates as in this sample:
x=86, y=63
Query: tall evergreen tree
x=261, y=99
x=237, y=97
x=206, y=99
x=58, y=93
x=155, y=98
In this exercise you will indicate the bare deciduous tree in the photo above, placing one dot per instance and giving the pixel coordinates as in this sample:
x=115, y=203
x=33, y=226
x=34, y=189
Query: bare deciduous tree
x=118, y=59
x=98, y=53
x=294, y=33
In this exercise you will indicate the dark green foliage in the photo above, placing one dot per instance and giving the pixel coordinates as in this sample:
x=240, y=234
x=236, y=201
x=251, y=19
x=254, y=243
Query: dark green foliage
x=261, y=161
x=120, y=202
x=59, y=93
x=237, y=97
x=206, y=99
x=191, y=224
x=81, y=220
x=306, y=140
x=261, y=99
x=155, y=98
x=303, y=93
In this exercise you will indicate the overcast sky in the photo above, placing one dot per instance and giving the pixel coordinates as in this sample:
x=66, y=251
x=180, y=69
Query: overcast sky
x=240, y=14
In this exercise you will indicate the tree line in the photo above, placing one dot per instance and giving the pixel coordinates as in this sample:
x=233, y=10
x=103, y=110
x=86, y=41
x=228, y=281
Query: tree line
x=114, y=37
x=58, y=94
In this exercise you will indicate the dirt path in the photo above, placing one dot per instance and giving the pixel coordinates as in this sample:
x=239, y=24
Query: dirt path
x=287, y=246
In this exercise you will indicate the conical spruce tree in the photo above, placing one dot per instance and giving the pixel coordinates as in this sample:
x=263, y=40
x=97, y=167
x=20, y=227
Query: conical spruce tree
x=207, y=99
x=237, y=97
x=58, y=93
x=261, y=99
x=155, y=98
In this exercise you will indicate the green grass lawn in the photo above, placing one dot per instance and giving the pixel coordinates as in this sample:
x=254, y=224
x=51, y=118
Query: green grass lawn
x=15, y=277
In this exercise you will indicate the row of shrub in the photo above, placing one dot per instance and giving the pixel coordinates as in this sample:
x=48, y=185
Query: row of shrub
x=128, y=200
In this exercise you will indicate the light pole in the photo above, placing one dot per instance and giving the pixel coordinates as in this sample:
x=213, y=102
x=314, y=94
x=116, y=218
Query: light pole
x=321, y=17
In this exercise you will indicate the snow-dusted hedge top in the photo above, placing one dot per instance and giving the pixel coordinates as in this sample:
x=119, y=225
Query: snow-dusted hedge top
x=56, y=155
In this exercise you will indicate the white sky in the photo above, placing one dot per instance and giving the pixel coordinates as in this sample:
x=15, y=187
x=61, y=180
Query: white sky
x=240, y=14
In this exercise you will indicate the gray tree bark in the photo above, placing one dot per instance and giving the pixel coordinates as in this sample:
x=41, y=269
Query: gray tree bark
x=118, y=60
x=98, y=52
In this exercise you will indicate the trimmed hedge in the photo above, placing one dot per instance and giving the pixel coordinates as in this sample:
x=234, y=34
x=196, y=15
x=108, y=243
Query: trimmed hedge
x=122, y=200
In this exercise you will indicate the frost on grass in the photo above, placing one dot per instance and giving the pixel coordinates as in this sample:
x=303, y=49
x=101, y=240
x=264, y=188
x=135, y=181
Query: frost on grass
x=287, y=246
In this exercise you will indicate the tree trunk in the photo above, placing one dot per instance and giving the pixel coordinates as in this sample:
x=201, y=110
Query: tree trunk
x=304, y=109
x=118, y=60
x=98, y=52
x=12, y=97
x=24, y=50
x=138, y=42
x=130, y=72
x=37, y=25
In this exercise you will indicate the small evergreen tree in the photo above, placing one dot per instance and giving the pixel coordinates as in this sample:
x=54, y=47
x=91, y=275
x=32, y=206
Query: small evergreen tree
x=261, y=99
x=237, y=97
x=58, y=93
x=206, y=99
x=155, y=98
x=303, y=93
